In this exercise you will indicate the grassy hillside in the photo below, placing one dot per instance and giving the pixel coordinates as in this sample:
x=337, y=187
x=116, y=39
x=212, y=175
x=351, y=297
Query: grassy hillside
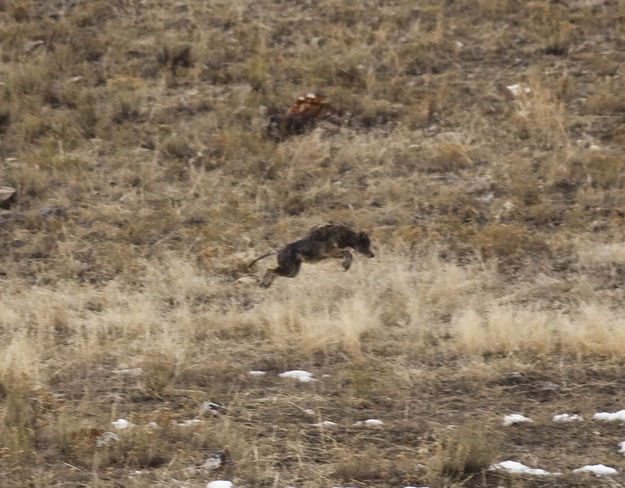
x=480, y=143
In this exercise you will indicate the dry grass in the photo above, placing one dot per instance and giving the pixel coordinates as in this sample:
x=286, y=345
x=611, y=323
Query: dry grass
x=135, y=134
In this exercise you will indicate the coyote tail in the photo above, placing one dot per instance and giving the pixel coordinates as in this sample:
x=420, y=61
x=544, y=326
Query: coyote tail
x=262, y=257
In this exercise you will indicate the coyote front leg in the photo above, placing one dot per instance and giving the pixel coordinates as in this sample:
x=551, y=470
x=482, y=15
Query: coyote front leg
x=347, y=260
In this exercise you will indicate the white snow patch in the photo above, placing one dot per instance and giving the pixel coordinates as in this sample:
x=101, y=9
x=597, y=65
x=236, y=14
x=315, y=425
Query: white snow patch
x=298, y=374
x=597, y=469
x=153, y=425
x=621, y=446
x=515, y=418
x=121, y=424
x=309, y=411
x=565, y=417
x=369, y=423
x=517, y=89
x=187, y=423
x=311, y=95
x=256, y=373
x=106, y=438
x=325, y=423
x=131, y=371
x=220, y=484
x=518, y=468
x=610, y=417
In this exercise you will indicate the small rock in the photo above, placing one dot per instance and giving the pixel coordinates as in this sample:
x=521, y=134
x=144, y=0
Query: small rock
x=246, y=280
x=211, y=407
x=52, y=211
x=7, y=195
x=29, y=47
x=508, y=206
x=549, y=386
x=450, y=136
x=214, y=461
x=479, y=185
x=514, y=377
x=106, y=438
x=488, y=198
x=517, y=89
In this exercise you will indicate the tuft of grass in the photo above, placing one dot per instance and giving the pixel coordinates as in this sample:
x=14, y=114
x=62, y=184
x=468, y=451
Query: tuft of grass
x=469, y=450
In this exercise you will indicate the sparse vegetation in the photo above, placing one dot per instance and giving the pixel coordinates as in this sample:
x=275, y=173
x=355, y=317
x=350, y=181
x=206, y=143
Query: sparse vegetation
x=135, y=134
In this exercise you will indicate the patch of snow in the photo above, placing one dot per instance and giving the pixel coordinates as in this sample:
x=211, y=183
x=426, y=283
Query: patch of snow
x=106, y=438
x=565, y=417
x=121, y=424
x=517, y=89
x=309, y=411
x=518, y=468
x=220, y=484
x=459, y=44
x=621, y=446
x=610, y=417
x=325, y=423
x=594, y=147
x=256, y=373
x=153, y=425
x=597, y=469
x=187, y=423
x=515, y=418
x=131, y=371
x=298, y=374
x=369, y=423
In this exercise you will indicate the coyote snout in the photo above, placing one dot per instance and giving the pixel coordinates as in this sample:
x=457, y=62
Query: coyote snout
x=322, y=242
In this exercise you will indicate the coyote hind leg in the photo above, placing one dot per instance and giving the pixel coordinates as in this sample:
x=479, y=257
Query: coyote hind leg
x=267, y=280
x=286, y=267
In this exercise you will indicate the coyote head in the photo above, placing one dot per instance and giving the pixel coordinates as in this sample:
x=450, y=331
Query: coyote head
x=363, y=245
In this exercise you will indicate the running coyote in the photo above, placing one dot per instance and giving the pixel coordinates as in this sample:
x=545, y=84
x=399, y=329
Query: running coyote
x=322, y=242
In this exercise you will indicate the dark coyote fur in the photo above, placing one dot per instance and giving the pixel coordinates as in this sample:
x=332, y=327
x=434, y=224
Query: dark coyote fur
x=322, y=242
